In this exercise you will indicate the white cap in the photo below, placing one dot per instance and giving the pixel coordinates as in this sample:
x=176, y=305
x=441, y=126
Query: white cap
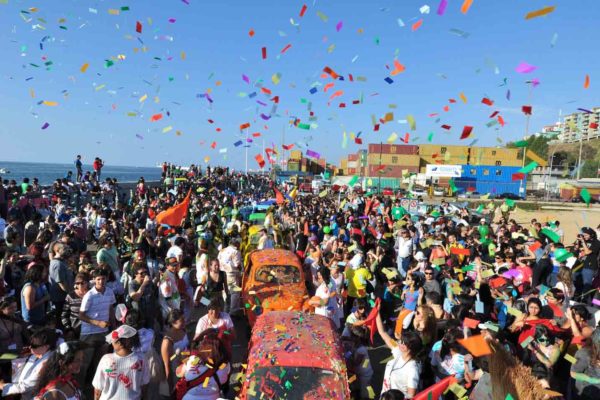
x=122, y=332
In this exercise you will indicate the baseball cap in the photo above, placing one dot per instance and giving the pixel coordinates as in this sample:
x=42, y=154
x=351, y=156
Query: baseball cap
x=122, y=332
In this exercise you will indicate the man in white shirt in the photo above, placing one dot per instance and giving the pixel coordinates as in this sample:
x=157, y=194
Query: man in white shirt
x=176, y=251
x=97, y=314
x=230, y=260
x=404, y=249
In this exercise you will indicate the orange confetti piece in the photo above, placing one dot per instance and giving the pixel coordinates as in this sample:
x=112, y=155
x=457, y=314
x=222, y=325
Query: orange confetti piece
x=417, y=25
x=50, y=103
x=586, y=83
x=336, y=94
x=213, y=145
x=84, y=67
x=265, y=90
x=244, y=126
x=328, y=86
x=251, y=33
x=465, y=6
x=463, y=97
x=540, y=12
x=398, y=68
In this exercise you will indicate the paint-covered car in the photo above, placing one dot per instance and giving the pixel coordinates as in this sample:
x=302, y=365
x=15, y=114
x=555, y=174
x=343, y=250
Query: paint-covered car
x=295, y=356
x=273, y=280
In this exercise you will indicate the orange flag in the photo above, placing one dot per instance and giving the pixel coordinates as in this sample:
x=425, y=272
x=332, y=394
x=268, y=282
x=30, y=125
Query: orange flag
x=175, y=215
x=278, y=197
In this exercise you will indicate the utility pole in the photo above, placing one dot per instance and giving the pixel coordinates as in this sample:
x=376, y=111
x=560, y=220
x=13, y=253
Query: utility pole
x=246, y=146
x=580, y=146
x=527, y=117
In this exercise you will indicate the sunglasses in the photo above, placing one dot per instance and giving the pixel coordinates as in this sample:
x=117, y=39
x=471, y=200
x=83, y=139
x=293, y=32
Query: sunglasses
x=428, y=273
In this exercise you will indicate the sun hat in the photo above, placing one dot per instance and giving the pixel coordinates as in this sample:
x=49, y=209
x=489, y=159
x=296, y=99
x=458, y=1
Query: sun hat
x=122, y=332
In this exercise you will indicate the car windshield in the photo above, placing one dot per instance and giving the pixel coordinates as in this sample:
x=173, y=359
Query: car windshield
x=293, y=383
x=280, y=274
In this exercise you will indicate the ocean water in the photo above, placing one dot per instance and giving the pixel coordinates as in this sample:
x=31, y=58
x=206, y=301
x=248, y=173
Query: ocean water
x=47, y=173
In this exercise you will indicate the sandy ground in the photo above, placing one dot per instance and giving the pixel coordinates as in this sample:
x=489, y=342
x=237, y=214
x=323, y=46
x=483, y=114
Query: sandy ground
x=570, y=221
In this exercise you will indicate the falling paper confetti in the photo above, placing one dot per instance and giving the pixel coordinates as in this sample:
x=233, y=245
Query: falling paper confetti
x=465, y=6
x=586, y=82
x=524, y=68
x=46, y=125
x=540, y=12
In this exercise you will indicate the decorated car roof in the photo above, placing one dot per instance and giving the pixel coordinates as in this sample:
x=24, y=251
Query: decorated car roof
x=274, y=257
x=295, y=339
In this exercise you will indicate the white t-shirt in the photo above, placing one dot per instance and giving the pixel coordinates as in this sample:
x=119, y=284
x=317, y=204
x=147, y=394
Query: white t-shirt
x=96, y=306
x=399, y=374
x=204, y=323
x=121, y=377
x=330, y=303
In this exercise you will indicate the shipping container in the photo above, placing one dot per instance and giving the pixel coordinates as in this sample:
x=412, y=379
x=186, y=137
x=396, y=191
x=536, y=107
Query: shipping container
x=392, y=159
x=490, y=179
x=352, y=164
x=395, y=171
x=393, y=148
x=384, y=182
x=352, y=157
x=293, y=166
x=504, y=162
x=351, y=171
x=441, y=150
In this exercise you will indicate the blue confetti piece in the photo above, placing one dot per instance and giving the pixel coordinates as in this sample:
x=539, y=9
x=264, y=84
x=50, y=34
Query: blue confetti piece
x=313, y=90
x=389, y=80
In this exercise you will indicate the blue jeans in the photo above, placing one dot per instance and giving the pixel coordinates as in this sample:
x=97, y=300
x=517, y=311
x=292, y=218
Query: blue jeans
x=403, y=265
x=583, y=282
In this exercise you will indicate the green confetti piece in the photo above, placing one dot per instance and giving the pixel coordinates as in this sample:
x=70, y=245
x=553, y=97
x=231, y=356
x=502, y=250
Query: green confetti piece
x=377, y=41
x=520, y=143
x=288, y=385
x=171, y=79
x=125, y=8
x=48, y=63
x=353, y=181
x=529, y=167
x=430, y=137
x=585, y=196
x=64, y=28
x=304, y=126
x=551, y=235
x=109, y=63
x=34, y=65
x=509, y=397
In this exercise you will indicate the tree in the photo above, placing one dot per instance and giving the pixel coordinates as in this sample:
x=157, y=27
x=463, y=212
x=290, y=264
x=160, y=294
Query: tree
x=537, y=144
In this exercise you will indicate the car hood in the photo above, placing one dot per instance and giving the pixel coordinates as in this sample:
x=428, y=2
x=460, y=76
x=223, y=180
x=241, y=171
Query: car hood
x=277, y=297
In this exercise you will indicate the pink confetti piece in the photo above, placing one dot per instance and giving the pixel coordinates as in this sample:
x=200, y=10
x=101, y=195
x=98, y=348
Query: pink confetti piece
x=524, y=68
x=442, y=7
x=172, y=20
x=46, y=125
x=339, y=26
x=245, y=79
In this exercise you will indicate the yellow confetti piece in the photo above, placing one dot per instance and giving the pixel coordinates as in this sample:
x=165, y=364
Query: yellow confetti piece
x=463, y=97
x=218, y=83
x=113, y=11
x=156, y=99
x=84, y=67
x=371, y=392
x=50, y=103
x=365, y=363
x=205, y=384
x=206, y=160
x=121, y=57
x=31, y=93
x=167, y=129
x=352, y=379
x=131, y=114
x=536, y=158
x=183, y=55
x=392, y=138
x=570, y=358
x=143, y=98
x=281, y=328
x=276, y=78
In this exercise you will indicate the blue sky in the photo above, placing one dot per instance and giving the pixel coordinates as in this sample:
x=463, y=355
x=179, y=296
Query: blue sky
x=92, y=119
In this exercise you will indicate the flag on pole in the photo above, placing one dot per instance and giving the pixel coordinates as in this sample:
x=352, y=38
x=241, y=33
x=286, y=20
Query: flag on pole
x=175, y=215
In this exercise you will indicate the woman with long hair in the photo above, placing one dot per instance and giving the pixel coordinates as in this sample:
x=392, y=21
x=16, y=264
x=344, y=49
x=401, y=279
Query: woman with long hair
x=205, y=373
x=577, y=322
x=586, y=371
x=325, y=298
x=34, y=296
x=174, y=342
x=56, y=378
x=447, y=357
x=543, y=352
x=403, y=371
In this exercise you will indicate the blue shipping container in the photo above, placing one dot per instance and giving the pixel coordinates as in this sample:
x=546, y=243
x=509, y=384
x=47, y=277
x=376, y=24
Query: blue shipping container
x=490, y=179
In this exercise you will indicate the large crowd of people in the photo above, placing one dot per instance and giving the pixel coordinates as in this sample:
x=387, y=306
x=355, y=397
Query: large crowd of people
x=100, y=301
